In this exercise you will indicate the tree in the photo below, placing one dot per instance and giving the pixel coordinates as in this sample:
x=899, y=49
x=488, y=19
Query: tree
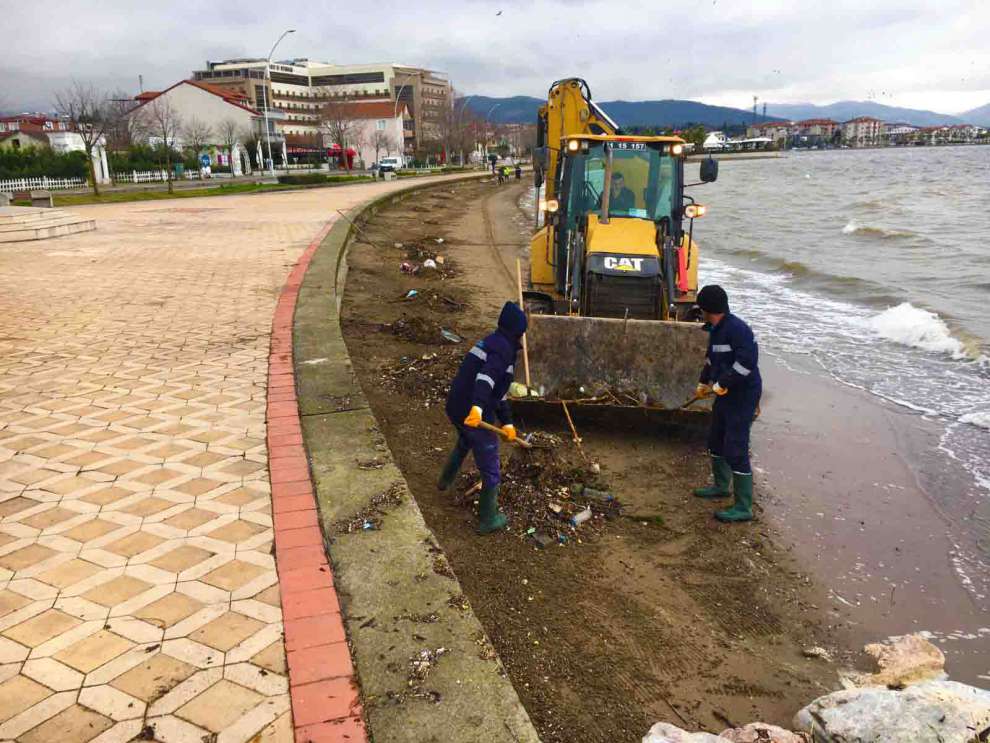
x=158, y=119
x=119, y=133
x=230, y=136
x=87, y=111
x=337, y=124
x=197, y=135
x=381, y=142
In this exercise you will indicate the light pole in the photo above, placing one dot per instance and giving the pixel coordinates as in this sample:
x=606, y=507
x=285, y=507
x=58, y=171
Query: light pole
x=487, y=117
x=268, y=78
x=402, y=133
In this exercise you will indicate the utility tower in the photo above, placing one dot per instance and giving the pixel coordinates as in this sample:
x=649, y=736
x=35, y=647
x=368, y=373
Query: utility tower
x=755, y=99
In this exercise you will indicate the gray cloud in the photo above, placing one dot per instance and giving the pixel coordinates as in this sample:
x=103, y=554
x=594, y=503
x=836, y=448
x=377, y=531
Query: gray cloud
x=902, y=52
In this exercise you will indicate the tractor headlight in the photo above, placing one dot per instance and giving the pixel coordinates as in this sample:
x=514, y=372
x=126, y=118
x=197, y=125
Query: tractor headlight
x=676, y=149
x=552, y=205
x=573, y=145
x=693, y=211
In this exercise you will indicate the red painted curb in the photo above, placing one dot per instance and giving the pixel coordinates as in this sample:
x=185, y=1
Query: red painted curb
x=326, y=704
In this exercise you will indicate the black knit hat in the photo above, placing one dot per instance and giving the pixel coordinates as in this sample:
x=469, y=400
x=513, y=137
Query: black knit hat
x=712, y=298
x=512, y=320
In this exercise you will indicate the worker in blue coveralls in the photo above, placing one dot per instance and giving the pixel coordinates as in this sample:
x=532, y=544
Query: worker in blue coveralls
x=732, y=374
x=478, y=393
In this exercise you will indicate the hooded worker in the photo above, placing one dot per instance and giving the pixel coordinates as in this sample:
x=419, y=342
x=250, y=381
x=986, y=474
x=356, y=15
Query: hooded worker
x=478, y=393
x=731, y=373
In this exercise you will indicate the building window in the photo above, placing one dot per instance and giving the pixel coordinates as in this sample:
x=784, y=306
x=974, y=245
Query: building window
x=381, y=125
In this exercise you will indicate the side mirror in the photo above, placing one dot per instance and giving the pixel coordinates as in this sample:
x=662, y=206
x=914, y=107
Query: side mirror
x=709, y=170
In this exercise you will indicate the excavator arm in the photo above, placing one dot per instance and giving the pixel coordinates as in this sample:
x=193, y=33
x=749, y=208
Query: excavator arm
x=569, y=111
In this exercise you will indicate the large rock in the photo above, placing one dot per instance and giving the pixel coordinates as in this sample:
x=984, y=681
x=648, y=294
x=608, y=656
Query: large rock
x=906, y=660
x=761, y=732
x=664, y=732
x=929, y=712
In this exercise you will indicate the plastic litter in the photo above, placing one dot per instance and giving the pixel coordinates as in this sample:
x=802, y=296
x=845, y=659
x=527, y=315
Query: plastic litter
x=407, y=267
x=450, y=336
x=581, y=516
x=430, y=263
x=412, y=294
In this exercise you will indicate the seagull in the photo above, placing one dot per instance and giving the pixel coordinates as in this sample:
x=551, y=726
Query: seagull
x=499, y=13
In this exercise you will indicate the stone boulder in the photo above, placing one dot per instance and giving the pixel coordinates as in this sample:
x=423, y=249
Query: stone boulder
x=906, y=660
x=664, y=732
x=761, y=732
x=928, y=712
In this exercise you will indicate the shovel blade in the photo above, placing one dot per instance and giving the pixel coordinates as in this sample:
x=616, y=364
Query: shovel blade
x=649, y=363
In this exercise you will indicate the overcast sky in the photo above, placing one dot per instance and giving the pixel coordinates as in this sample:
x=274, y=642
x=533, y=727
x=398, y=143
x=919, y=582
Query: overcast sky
x=930, y=54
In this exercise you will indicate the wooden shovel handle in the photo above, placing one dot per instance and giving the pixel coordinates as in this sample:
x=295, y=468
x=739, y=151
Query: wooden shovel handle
x=495, y=429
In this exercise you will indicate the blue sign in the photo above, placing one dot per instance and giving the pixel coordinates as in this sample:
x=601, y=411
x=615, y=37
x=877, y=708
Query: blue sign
x=204, y=160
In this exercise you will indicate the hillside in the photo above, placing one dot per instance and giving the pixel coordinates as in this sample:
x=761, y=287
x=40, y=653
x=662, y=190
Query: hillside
x=666, y=113
x=845, y=110
x=979, y=116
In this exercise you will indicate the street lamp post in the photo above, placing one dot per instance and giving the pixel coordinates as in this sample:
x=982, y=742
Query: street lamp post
x=487, y=117
x=268, y=89
x=402, y=133
x=460, y=115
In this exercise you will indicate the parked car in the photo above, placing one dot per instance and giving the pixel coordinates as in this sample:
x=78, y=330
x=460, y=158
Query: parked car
x=389, y=164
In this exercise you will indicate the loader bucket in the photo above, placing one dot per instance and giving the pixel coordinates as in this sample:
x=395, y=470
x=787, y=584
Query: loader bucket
x=604, y=361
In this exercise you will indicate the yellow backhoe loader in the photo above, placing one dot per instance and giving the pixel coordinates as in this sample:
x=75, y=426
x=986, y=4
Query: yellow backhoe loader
x=613, y=269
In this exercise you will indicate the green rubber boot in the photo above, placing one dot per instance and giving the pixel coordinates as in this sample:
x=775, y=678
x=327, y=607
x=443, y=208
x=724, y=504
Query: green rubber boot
x=742, y=509
x=451, y=468
x=490, y=519
x=722, y=473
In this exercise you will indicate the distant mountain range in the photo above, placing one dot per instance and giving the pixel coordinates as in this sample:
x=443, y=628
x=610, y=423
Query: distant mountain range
x=979, y=116
x=522, y=109
x=845, y=110
x=679, y=113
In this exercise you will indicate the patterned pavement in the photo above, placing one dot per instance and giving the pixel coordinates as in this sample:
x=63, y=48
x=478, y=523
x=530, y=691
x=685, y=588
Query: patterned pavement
x=138, y=591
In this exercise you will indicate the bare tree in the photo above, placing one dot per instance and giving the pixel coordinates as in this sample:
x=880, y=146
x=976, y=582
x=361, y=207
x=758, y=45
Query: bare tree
x=86, y=109
x=159, y=120
x=119, y=133
x=230, y=136
x=381, y=142
x=197, y=135
x=337, y=124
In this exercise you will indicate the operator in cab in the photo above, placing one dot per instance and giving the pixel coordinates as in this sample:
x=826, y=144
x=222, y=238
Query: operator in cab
x=620, y=198
x=479, y=393
x=731, y=373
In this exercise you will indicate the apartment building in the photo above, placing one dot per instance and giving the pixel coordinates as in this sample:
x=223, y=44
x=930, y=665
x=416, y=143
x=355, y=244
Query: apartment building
x=863, y=131
x=294, y=92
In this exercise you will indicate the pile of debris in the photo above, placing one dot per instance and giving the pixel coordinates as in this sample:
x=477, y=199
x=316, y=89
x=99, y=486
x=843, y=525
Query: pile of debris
x=425, y=261
x=426, y=377
x=549, y=498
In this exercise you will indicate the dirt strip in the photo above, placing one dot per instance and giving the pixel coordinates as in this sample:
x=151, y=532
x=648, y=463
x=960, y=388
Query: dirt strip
x=649, y=611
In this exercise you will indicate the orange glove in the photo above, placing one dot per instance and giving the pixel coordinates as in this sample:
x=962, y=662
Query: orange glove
x=703, y=391
x=510, y=432
x=473, y=419
x=719, y=390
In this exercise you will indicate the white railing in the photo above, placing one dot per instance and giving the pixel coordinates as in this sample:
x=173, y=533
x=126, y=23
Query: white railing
x=140, y=176
x=49, y=184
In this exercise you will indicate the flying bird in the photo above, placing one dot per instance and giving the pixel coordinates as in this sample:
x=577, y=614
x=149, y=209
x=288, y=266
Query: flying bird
x=499, y=13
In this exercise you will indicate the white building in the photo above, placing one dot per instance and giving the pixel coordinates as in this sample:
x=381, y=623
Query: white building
x=863, y=131
x=376, y=129
x=212, y=108
x=716, y=141
x=295, y=91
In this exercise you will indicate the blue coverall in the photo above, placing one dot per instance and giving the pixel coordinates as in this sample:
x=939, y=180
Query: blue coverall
x=483, y=379
x=732, y=361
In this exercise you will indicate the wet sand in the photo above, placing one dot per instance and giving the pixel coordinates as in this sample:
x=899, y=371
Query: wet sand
x=845, y=473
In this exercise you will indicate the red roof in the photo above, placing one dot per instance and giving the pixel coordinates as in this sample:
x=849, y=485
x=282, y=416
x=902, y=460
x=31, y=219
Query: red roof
x=863, y=120
x=230, y=96
x=818, y=122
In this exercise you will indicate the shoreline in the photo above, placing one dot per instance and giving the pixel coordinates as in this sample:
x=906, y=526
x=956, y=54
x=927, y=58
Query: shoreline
x=846, y=477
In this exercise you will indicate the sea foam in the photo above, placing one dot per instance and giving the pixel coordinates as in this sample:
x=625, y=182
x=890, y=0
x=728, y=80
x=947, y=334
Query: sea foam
x=977, y=419
x=912, y=326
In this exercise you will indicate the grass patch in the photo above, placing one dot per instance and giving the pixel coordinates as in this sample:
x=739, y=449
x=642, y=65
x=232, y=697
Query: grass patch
x=116, y=197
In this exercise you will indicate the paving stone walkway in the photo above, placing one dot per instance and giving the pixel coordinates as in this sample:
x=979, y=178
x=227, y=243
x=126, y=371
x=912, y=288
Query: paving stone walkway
x=138, y=591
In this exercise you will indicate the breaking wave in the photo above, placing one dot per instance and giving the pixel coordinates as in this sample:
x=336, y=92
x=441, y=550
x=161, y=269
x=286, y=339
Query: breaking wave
x=977, y=419
x=852, y=228
x=912, y=326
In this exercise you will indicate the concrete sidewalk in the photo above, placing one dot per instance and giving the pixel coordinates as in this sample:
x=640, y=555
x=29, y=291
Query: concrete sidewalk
x=138, y=589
